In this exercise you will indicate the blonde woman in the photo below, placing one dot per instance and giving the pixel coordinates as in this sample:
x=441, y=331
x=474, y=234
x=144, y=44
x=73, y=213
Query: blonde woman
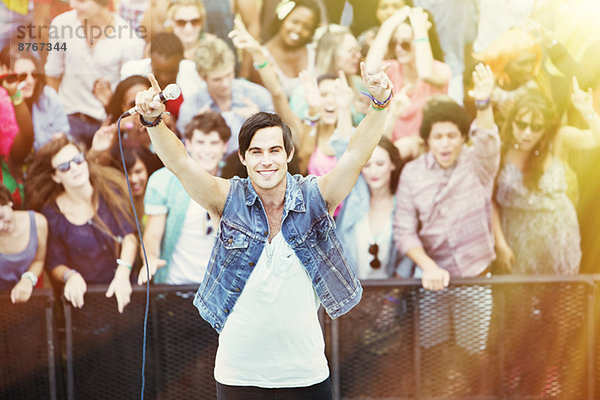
x=185, y=18
x=190, y=20
x=413, y=68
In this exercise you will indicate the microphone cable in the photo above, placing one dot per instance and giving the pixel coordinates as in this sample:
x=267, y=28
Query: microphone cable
x=137, y=224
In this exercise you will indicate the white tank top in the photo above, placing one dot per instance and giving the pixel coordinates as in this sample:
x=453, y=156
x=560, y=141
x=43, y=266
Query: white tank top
x=273, y=338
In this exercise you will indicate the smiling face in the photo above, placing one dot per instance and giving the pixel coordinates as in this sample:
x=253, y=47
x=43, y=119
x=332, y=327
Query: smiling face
x=298, y=27
x=378, y=170
x=77, y=176
x=445, y=142
x=347, y=56
x=528, y=128
x=26, y=66
x=138, y=177
x=329, y=114
x=266, y=159
x=207, y=149
x=187, y=24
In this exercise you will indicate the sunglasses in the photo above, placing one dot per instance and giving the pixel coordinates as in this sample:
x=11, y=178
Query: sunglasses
x=181, y=23
x=12, y=78
x=522, y=125
x=406, y=45
x=374, y=250
x=64, y=167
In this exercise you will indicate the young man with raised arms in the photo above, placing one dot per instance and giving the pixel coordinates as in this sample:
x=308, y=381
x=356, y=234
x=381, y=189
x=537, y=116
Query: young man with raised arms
x=276, y=257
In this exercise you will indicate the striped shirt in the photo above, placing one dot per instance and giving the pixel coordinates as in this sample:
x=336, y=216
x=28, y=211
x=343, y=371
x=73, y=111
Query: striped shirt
x=448, y=211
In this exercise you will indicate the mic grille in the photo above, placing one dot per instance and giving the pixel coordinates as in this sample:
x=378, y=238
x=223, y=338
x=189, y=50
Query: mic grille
x=171, y=92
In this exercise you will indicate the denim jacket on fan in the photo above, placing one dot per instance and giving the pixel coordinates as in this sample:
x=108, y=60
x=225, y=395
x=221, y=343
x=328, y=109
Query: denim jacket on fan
x=306, y=226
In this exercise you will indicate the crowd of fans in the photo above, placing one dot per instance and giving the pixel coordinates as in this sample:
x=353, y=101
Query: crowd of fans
x=486, y=168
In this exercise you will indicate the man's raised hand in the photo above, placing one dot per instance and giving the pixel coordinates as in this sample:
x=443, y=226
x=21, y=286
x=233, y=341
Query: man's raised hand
x=377, y=83
x=147, y=107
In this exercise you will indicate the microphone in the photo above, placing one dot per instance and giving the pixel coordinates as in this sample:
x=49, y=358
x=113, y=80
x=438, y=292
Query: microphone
x=171, y=92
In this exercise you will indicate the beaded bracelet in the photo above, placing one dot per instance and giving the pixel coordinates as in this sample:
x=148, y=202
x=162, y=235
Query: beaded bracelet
x=482, y=104
x=384, y=103
x=379, y=105
x=150, y=124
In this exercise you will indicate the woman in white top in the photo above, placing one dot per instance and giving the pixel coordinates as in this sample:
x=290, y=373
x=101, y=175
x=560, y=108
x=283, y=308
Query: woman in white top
x=364, y=224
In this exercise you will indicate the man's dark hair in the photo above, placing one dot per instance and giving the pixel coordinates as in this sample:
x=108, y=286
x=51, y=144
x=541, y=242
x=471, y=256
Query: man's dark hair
x=443, y=109
x=207, y=122
x=167, y=45
x=259, y=121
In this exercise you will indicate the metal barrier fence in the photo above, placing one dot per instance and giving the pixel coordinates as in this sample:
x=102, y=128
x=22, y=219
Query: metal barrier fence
x=28, y=368
x=104, y=349
x=499, y=338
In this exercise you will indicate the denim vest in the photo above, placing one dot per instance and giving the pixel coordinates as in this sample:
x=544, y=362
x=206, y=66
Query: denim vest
x=308, y=229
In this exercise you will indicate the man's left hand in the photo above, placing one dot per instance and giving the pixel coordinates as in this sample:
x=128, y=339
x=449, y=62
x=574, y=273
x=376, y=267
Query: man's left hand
x=377, y=83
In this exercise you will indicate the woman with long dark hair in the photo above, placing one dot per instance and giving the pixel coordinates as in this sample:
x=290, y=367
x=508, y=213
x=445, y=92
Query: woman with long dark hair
x=536, y=226
x=47, y=114
x=413, y=69
x=364, y=224
x=91, y=229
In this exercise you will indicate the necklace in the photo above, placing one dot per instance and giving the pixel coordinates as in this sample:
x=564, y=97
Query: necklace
x=118, y=239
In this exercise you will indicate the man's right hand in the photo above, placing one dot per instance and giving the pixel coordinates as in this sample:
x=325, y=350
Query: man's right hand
x=435, y=278
x=154, y=263
x=147, y=107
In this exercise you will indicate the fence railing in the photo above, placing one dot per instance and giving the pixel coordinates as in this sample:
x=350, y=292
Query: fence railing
x=504, y=337
x=28, y=348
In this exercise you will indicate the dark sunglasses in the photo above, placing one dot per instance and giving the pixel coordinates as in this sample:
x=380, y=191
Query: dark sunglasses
x=406, y=45
x=181, y=23
x=64, y=167
x=522, y=125
x=374, y=250
x=12, y=78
